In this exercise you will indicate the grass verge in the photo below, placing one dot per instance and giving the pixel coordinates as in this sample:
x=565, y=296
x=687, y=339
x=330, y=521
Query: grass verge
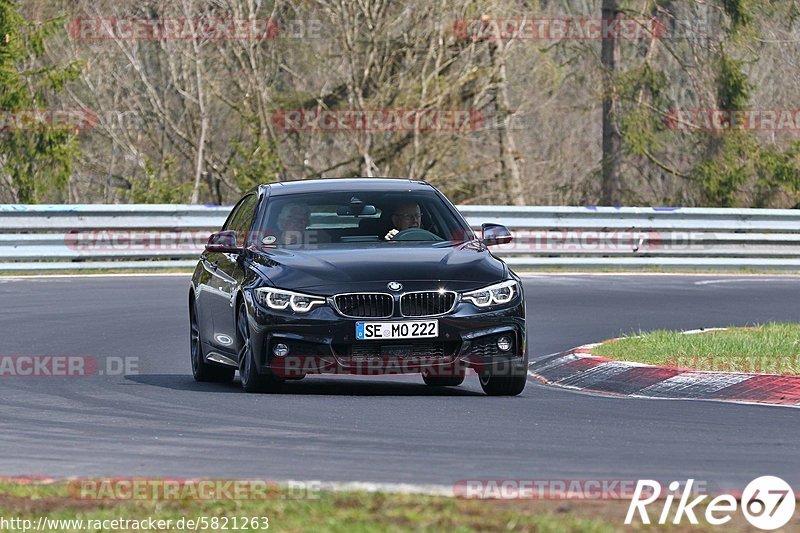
x=326, y=511
x=768, y=349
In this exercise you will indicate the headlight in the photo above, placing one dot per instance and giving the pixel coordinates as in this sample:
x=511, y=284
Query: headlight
x=280, y=300
x=498, y=294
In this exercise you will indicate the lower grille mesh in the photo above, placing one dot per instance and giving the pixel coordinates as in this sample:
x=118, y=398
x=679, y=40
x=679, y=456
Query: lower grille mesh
x=487, y=346
x=422, y=352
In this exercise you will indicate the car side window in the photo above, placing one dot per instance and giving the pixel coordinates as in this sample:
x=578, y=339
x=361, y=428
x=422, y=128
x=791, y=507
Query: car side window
x=242, y=219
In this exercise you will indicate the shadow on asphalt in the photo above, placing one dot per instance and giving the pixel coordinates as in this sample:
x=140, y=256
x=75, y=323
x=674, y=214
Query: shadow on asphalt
x=336, y=386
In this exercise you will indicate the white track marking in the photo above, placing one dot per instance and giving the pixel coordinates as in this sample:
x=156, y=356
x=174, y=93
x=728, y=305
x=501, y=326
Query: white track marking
x=740, y=280
x=540, y=357
x=709, y=383
x=389, y=488
x=79, y=276
x=552, y=274
x=611, y=396
x=702, y=330
x=601, y=372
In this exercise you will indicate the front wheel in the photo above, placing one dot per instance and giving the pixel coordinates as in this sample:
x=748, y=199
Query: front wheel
x=201, y=370
x=503, y=385
x=508, y=380
x=252, y=381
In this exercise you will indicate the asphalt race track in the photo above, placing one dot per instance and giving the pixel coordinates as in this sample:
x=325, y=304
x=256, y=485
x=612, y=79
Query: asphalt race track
x=159, y=422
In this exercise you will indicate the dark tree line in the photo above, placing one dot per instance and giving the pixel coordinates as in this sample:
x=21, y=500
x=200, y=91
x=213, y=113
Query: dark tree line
x=557, y=119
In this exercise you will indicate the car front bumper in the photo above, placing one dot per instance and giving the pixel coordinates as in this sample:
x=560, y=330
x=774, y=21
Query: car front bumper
x=322, y=341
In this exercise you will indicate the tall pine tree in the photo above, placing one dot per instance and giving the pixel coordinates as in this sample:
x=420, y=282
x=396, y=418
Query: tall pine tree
x=35, y=156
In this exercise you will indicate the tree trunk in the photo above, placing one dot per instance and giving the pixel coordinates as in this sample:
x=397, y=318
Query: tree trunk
x=198, y=170
x=201, y=141
x=611, y=186
x=509, y=169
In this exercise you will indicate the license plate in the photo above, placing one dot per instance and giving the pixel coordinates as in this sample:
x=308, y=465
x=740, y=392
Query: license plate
x=417, y=329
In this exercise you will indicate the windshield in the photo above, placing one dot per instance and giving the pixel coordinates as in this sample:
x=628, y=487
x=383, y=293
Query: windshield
x=304, y=220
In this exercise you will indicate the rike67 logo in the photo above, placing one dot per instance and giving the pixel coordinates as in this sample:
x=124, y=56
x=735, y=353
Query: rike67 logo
x=767, y=503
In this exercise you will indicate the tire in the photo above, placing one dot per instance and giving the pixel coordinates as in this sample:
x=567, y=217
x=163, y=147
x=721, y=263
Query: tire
x=443, y=381
x=201, y=370
x=252, y=381
x=508, y=383
x=503, y=385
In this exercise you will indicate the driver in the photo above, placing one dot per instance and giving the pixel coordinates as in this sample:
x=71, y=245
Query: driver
x=405, y=215
x=292, y=222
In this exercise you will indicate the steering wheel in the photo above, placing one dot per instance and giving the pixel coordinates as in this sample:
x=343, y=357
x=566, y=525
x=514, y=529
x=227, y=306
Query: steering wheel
x=416, y=234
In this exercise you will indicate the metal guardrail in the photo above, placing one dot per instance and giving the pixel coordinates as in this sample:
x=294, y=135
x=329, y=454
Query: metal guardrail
x=58, y=237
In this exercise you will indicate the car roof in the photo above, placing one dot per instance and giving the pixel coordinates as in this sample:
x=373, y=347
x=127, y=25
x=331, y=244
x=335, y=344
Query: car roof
x=344, y=185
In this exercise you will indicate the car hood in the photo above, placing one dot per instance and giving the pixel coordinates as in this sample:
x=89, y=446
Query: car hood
x=334, y=268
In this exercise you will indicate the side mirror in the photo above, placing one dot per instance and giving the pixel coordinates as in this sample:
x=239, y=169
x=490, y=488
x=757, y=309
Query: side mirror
x=492, y=234
x=223, y=242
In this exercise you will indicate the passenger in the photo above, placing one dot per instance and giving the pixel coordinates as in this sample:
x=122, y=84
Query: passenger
x=293, y=222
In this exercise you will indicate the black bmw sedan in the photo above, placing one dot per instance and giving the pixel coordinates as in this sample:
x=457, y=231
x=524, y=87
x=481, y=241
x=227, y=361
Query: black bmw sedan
x=361, y=276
